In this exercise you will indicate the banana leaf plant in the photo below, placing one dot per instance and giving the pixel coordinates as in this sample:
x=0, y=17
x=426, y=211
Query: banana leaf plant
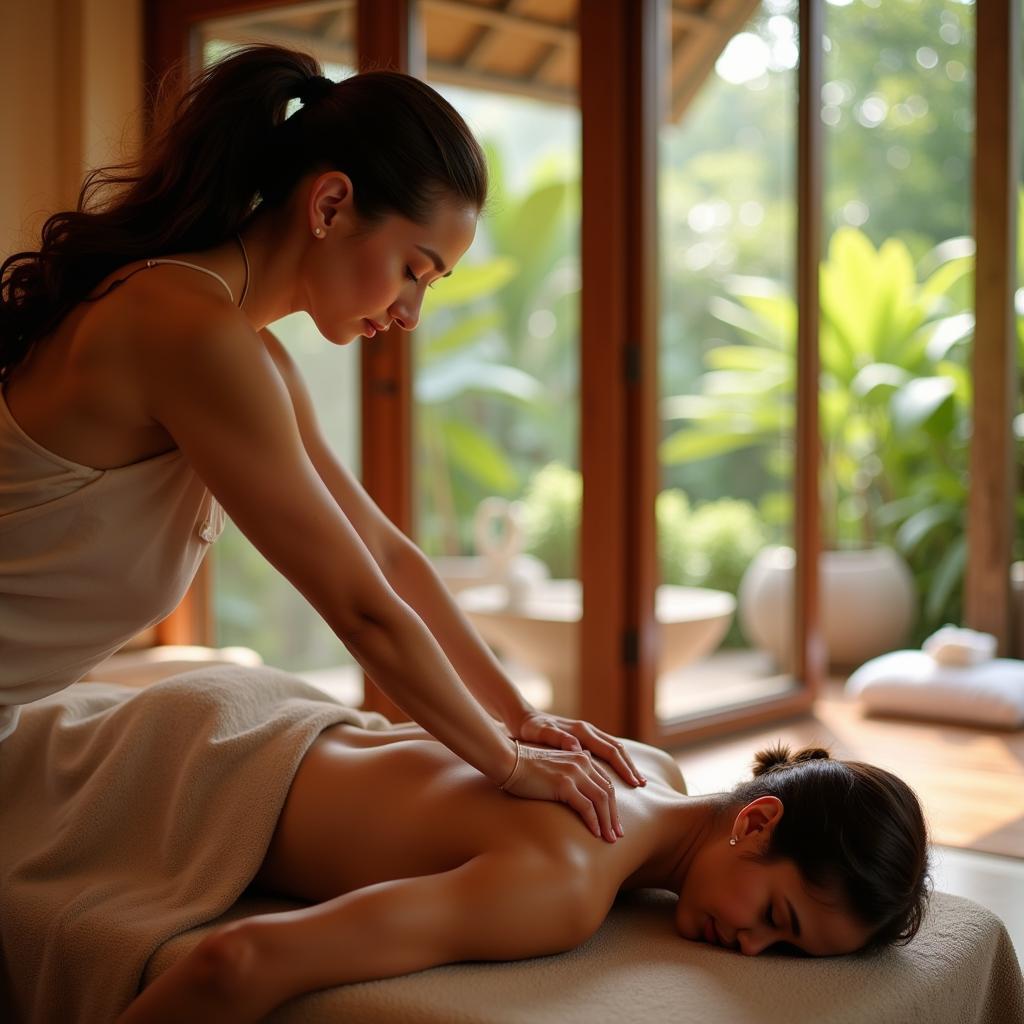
x=477, y=385
x=895, y=399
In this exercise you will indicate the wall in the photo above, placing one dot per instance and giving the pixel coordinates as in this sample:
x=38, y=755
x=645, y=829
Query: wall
x=71, y=76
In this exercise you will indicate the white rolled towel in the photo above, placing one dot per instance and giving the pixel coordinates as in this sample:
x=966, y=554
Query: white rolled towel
x=954, y=645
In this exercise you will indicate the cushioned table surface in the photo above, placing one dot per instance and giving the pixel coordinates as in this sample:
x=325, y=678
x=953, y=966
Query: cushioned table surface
x=961, y=968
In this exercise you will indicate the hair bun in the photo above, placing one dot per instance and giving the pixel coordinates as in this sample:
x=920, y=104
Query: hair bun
x=314, y=88
x=812, y=754
x=779, y=756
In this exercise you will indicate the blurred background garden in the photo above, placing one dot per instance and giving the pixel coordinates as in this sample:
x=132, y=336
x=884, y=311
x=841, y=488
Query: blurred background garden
x=497, y=410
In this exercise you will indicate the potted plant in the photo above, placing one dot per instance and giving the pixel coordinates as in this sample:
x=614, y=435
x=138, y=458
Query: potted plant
x=894, y=401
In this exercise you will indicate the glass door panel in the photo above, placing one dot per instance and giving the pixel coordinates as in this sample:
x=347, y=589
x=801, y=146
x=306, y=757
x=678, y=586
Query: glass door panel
x=253, y=604
x=497, y=483
x=727, y=363
x=897, y=298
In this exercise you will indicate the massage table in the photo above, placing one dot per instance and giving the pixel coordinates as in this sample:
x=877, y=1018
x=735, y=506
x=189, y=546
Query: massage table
x=960, y=969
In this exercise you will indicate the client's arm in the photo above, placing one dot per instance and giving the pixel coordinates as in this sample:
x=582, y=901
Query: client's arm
x=505, y=905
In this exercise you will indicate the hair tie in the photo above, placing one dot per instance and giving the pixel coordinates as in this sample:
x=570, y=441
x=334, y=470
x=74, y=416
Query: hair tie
x=314, y=88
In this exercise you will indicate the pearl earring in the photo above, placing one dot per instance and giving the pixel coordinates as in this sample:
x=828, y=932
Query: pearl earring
x=317, y=232
x=733, y=841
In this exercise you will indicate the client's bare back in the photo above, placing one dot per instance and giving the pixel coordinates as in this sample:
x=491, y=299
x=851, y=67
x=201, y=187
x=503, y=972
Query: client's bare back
x=369, y=806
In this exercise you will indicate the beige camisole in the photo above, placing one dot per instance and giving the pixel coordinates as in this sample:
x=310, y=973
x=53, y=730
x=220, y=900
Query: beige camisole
x=89, y=557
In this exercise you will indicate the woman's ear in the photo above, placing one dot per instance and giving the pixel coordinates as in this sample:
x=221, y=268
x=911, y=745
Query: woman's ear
x=331, y=202
x=760, y=815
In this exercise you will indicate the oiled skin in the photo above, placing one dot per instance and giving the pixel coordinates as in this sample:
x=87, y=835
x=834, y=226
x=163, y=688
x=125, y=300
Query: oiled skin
x=367, y=807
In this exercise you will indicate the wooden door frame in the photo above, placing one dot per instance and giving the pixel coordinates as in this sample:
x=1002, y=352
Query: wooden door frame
x=386, y=37
x=620, y=76
x=990, y=511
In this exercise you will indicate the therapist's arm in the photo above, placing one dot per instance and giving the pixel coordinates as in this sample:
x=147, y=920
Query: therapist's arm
x=408, y=571
x=416, y=581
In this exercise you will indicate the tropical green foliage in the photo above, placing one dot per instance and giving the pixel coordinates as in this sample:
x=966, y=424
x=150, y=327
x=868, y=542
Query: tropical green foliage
x=895, y=400
x=490, y=394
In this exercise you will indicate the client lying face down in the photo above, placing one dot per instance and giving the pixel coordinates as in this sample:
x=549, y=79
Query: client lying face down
x=412, y=859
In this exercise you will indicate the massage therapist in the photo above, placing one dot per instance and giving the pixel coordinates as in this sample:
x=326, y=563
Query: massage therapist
x=140, y=328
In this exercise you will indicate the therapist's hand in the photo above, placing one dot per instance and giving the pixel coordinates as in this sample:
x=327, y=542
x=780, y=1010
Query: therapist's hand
x=568, y=777
x=568, y=773
x=572, y=734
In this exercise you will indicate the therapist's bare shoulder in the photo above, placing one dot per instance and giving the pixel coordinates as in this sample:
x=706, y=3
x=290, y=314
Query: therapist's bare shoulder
x=186, y=337
x=142, y=321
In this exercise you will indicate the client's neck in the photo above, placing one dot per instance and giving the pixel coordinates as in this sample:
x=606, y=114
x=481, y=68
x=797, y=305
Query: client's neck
x=684, y=826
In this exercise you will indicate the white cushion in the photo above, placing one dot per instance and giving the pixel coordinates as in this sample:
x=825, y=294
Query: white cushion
x=914, y=683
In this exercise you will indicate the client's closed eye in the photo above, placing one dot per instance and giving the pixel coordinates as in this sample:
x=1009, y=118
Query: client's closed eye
x=786, y=949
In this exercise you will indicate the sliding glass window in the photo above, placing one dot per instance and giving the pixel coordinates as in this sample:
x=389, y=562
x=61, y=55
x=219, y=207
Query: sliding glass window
x=496, y=380
x=727, y=359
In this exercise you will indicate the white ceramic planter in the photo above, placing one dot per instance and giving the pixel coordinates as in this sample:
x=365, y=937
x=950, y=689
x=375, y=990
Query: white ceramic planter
x=867, y=603
x=541, y=629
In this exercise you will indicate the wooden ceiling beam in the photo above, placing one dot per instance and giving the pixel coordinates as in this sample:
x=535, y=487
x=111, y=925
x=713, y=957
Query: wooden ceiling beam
x=692, y=62
x=536, y=73
x=693, y=19
x=480, y=46
x=493, y=18
x=478, y=49
x=340, y=24
x=339, y=52
x=454, y=74
x=325, y=50
x=691, y=68
x=276, y=14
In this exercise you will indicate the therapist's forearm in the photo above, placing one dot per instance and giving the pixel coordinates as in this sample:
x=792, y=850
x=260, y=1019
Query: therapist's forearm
x=398, y=652
x=415, y=579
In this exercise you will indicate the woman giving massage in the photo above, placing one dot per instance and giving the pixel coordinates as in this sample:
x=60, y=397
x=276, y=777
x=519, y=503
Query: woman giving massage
x=137, y=394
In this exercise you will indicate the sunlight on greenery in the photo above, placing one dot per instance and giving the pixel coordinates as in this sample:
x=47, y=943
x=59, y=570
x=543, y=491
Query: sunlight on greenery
x=497, y=353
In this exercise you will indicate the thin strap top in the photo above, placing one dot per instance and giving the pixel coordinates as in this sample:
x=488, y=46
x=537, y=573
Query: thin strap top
x=89, y=557
x=153, y=263
x=182, y=263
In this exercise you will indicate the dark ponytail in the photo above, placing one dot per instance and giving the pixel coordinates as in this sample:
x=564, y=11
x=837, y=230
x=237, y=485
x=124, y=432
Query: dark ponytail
x=223, y=149
x=848, y=827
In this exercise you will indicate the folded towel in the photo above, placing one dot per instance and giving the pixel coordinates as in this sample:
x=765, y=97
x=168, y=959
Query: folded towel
x=129, y=816
x=953, y=645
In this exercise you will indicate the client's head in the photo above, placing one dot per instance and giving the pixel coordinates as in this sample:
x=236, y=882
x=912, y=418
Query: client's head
x=812, y=854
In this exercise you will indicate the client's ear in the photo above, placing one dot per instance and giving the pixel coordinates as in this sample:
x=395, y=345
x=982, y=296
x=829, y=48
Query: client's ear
x=760, y=815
